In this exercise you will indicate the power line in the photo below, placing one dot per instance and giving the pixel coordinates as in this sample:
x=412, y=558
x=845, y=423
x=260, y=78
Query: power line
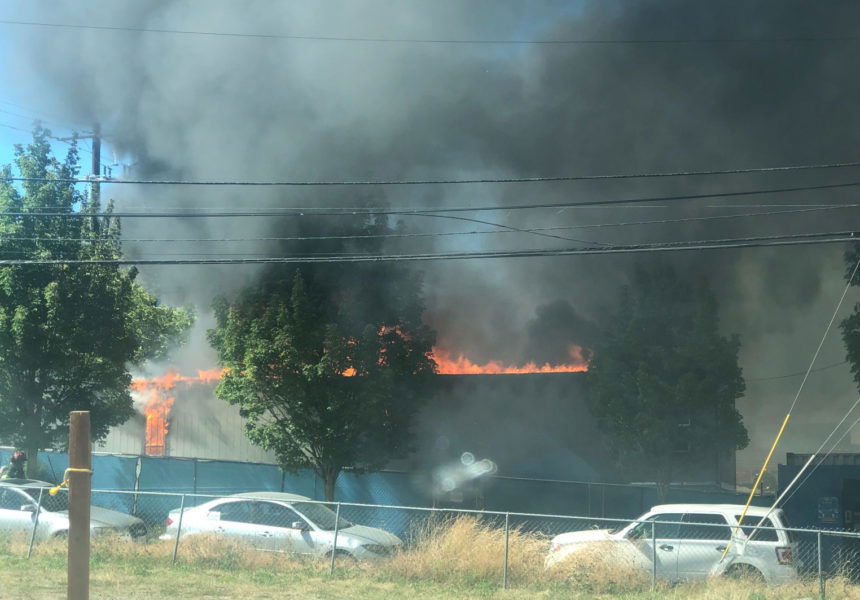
x=731, y=243
x=53, y=137
x=386, y=40
x=41, y=113
x=462, y=181
x=425, y=211
x=798, y=374
x=432, y=234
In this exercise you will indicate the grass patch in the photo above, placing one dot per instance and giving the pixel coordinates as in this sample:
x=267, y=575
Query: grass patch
x=458, y=558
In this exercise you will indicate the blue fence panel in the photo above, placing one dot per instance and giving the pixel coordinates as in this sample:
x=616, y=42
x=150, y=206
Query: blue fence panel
x=224, y=477
x=304, y=483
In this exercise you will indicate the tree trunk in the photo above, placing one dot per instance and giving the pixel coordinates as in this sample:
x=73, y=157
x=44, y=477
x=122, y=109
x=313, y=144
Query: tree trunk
x=32, y=462
x=330, y=476
x=663, y=491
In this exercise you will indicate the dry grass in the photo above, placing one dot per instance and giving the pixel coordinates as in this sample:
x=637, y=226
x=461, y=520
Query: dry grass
x=468, y=550
x=598, y=568
x=446, y=559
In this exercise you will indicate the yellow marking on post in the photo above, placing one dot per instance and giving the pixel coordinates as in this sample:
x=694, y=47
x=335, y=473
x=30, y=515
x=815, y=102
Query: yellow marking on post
x=65, y=482
x=757, y=481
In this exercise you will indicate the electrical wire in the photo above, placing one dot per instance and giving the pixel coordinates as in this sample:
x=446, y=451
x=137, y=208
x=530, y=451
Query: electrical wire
x=798, y=374
x=812, y=457
x=826, y=454
x=378, y=40
x=41, y=114
x=436, y=233
x=730, y=243
x=791, y=408
x=55, y=138
x=380, y=211
x=653, y=175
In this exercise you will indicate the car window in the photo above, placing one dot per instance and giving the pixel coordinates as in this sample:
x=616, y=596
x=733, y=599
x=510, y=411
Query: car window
x=274, y=515
x=321, y=515
x=705, y=527
x=783, y=518
x=665, y=528
x=12, y=499
x=237, y=512
x=763, y=533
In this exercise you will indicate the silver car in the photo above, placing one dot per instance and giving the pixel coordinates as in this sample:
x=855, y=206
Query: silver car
x=18, y=512
x=693, y=541
x=282, y=522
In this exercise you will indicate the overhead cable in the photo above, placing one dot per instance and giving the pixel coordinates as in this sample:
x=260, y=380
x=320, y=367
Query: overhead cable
x=393, y=40
x=747, y=242
x=379, y=211
x=797, y=374
x=431, y=234
x=793, y=405
x=547, y=179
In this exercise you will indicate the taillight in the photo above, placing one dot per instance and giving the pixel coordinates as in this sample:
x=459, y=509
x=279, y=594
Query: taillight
x=169, y=521
x=783, y=555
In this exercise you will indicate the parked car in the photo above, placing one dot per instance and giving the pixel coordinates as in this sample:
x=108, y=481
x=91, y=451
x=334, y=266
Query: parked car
x=19, y=503
x=281, y=522
x=691, y=540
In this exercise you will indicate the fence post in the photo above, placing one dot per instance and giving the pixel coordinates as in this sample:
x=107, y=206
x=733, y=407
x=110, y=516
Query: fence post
x=589, y=500
x=653, y=555
x=334, y=542
x=179, y=527
x=820, y=571
x=507, y=545
x=35, y=522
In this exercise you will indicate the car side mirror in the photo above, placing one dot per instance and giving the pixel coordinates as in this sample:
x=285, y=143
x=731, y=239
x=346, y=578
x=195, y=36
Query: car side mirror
x=214, y=515
x=28, y=508
x=300, y=525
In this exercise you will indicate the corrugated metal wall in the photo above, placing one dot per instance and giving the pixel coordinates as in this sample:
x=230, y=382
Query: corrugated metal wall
x=200, y=426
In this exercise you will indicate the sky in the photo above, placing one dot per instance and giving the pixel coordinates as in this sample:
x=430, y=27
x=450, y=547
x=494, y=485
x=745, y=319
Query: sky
x=228, y=108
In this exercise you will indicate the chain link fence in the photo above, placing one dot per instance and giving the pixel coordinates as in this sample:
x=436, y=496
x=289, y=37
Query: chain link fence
x=669, y=544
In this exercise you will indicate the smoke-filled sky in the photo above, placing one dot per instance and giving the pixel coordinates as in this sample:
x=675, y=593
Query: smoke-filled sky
x=239, y=108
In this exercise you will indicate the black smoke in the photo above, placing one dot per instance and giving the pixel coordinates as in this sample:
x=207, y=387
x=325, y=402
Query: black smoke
x=226, y=108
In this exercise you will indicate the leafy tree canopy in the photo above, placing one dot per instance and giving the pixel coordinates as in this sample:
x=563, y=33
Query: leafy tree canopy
x=328, y=368
x=68, y=333
x=663, y=380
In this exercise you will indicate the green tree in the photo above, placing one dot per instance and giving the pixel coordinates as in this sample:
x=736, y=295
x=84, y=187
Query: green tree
x=851, y=324
x=663, y=381
x=68, y=332
x=328, y=370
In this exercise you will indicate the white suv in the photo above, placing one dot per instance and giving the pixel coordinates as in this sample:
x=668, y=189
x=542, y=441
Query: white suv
x=691, y=540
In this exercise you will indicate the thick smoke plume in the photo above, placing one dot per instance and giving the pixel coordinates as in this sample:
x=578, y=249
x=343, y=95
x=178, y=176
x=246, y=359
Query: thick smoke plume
x=228, y=108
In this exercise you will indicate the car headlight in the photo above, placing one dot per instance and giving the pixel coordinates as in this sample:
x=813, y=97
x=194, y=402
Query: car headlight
x=379, y=549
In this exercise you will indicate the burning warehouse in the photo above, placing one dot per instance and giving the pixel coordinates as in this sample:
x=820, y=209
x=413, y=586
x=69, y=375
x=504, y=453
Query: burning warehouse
x=527, y=421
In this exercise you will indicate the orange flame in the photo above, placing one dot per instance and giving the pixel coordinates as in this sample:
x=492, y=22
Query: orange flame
x=446, y=365
x=158, y=404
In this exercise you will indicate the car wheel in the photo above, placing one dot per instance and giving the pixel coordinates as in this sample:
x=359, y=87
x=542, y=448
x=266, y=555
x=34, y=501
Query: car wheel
x=340, y=555
x=138, y=532
x=60, y=535
x=745, y=572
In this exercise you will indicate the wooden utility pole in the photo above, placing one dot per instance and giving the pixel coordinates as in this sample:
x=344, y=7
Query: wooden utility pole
x=80, y=487
x=96, y=173
x=97, y=161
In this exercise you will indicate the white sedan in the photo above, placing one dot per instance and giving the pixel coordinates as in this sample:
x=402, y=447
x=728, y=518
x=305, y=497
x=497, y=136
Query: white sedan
x=19, y=510
x=281, y=522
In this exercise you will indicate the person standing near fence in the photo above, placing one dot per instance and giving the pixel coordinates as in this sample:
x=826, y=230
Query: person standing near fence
x=16, y=466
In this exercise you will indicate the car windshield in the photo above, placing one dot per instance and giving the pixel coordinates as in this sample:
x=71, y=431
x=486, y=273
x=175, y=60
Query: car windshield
x=321, y=515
